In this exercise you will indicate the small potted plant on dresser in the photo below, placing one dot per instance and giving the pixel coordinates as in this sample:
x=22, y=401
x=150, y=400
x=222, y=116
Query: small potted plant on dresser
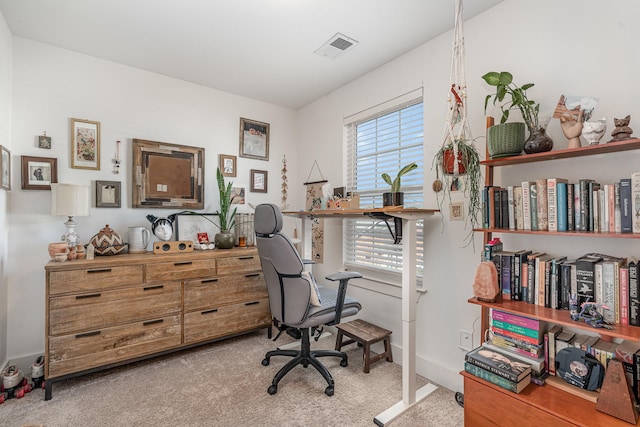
x=395, y=197
x=507, y=138
x=225, y=239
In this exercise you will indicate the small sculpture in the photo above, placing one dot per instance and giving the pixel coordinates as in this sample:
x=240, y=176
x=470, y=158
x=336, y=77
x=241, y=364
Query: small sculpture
x=572, y=127
x=594, y=131
x=622, y=130
x=588, y=313
x=162, y=228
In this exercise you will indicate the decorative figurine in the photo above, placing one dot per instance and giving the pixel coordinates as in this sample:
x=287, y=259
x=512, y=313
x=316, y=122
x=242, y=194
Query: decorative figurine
x=588, y=313
x=594, y=131
x=622, y=130
x=162, y=228
x=572, y=127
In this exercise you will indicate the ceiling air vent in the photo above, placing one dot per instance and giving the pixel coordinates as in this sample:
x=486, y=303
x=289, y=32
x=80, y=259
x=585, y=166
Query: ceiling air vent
x=336, y=46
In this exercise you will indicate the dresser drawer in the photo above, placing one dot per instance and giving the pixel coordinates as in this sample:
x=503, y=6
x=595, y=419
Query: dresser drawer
x=179, y=270
x=90, y=279
x=226, y=320
x=101, y=309
x=73, y=353
x=239, y=264
x=214, y=292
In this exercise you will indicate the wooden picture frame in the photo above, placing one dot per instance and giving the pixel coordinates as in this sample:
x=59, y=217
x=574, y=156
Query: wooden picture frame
x=254, y=139
x=5, y=168
x=38, y=173
x=258, y=181
x=191, y=226
x=85, y=144
x=227, y=165
x=108, y=194
x=167, y=175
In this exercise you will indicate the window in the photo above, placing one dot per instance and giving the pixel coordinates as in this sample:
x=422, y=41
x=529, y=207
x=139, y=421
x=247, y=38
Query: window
x=378, y=143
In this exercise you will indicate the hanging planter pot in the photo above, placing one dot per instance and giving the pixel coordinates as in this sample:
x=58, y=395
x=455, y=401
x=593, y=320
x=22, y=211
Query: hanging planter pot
x=449, y=160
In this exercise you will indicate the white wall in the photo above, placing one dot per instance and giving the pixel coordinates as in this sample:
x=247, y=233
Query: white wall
x=5, y=140
x=51, y=86
x=570, y=47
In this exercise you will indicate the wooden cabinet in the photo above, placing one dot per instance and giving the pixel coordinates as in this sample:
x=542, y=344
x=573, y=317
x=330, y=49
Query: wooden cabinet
x=545, y=405
x=117, y=309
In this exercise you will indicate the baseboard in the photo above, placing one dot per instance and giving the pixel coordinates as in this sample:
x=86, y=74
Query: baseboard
x=437, y=373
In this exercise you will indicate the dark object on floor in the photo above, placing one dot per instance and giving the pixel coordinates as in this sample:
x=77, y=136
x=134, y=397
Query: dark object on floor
x=460, y=399
x=365, y=334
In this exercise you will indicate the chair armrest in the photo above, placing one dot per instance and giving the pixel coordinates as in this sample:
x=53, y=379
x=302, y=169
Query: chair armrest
x=343, y=278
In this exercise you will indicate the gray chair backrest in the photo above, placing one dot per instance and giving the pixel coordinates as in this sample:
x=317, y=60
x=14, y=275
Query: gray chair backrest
x=281, y=265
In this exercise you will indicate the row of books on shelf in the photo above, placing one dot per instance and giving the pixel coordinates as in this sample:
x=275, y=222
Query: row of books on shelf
x=550, y=281
x=555, y=204
x=522, y=350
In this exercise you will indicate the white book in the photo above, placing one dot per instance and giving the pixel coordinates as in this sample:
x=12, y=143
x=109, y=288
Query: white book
x=635, y=202
x=608, y=291
x=598, y=293
x=511, y=208
x=616, y=208
x=517, y=206
x=604, y=208
x=526, y=205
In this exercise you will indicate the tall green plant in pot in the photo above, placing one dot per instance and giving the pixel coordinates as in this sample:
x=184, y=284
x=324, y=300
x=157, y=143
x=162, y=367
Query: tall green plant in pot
x=225, y=239
x=395, y=197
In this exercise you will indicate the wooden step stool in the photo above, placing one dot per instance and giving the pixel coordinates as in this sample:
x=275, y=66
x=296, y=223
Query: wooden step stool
x=365, y=334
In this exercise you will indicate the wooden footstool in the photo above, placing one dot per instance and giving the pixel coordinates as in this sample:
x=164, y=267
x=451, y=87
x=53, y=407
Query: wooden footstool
x=365, y=334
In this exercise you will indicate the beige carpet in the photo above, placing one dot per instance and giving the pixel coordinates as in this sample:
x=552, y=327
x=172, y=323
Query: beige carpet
x=224, y=384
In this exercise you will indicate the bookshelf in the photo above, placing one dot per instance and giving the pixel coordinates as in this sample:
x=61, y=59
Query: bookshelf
x=550, y=405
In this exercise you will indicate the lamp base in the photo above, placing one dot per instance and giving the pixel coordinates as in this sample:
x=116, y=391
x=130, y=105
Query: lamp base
x=71, y=237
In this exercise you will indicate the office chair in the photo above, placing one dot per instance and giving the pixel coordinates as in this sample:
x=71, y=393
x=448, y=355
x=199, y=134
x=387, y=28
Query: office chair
x=297, y=303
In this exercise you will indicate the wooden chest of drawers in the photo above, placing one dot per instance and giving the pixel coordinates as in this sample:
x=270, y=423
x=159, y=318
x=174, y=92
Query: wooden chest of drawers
x=116, y=309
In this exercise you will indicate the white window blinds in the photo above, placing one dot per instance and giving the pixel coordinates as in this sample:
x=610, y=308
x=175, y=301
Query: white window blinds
x=383, y=142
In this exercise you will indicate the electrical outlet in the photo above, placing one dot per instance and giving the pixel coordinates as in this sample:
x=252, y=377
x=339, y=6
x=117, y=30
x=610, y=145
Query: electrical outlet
x=466, y=340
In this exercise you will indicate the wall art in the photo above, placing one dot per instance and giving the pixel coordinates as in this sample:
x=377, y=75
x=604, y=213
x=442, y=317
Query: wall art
x=39, y=172
x=258, y=181
x=5, y=168
x=108, y=194
x=254, y=139
x=85, y=144
x=227, y=165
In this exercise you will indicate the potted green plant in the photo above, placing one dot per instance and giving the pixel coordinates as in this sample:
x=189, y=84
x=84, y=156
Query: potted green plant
x=507, y=138
x=468, y=175
x=395, y=197
x=225, y=239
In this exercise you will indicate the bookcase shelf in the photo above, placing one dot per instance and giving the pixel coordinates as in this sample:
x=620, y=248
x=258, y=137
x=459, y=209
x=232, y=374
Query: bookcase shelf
x=541, y=405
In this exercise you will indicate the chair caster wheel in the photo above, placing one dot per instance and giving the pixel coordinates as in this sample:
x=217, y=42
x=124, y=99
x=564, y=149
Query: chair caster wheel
x=265, y=362
x=460, y=399
x=273, y=389
x=329, y=391
x=344, y=363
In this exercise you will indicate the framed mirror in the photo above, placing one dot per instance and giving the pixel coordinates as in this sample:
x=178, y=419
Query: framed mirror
x=167, y=175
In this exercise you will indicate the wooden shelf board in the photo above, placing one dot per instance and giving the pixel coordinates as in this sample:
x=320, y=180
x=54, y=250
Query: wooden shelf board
x=561, y=317
x=561, y=233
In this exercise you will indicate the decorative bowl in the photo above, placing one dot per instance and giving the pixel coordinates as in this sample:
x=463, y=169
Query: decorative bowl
x=111, y=249
x=108, y=242
x=58, y=248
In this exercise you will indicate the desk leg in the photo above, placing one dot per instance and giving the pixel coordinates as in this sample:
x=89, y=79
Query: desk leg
x=409, y=300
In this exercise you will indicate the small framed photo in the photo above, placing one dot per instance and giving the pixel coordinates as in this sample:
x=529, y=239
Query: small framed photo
x=456, y=211
x=5, y=168
x=39, y=172
x=108, y=194
x=44, y=141
x=227, y=165
x=254, y=139
x=85, y=144
x=196, y=226
x=258, y=181
x=237, y=195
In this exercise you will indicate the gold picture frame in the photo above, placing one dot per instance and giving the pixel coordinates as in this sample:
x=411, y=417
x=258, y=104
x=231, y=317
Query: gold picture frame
x=85, y=144
x=254, y=139
x=38, y=173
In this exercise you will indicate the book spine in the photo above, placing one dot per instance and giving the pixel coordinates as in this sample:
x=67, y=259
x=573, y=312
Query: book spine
x=505, y=275
x=485, y=206
x=562, y=207
x=517, y=207
x=515, y=335
x=565, y=285
x=608, y=292
x=598, y=292
x=624, y=295
x=634, y=295
x=531, y=281
x=524, y=280
x=470, y=358
x=533, y=205
x=584, y=205
x=511, y=208
x=535, y=350
x=547, y=283
x=504, y=208
x=577, y=206
x=617, y=226
x=625, y=206
x=494, y=200
x=526, y=205
x=525, y=332
x=552, y=204
x=542, y=204
x=491, y=377
x=515, y=319
x=570, y=208
x=592, y=206
x=585, y=280
x=616, y=280
x=611, y=207
x=635, y=202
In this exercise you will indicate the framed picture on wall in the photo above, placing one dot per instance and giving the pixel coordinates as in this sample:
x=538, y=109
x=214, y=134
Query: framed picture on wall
x=227, y=165
x=5, y=168
x=38, y=173
x=258, y=181
x=108, y=194
x=85, y=144
x=254, y=139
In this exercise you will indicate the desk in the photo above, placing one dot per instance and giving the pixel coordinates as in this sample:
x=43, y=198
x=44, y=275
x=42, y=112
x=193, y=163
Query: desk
x=410, y=395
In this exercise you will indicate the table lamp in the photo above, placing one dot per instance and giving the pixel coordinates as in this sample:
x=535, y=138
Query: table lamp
x=70, y=200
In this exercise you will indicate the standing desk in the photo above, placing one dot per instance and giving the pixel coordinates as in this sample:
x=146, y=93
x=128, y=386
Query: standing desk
x=404, y=232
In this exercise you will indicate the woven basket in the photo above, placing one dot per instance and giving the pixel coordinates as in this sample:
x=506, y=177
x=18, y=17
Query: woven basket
x=506, y=139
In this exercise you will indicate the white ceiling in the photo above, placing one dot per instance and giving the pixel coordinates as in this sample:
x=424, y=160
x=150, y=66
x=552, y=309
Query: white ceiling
x=261, y=49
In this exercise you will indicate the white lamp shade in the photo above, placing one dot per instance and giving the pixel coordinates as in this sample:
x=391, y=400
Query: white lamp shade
x=69, y=200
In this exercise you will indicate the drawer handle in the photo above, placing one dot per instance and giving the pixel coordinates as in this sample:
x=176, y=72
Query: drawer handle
x=88, y=334
x=150, y=288
x=215, y=310
x=88, y=296
x=252, y=275
x=210, y=281
x=252, y=303
x=152, y=322
x=100, y=270
x=183, y=263
x=246, y=257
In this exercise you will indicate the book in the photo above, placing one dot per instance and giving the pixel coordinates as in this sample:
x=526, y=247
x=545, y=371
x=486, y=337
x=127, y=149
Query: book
x=610, y=191
x=554, y=282
x=504, y=208
x=517, y=206
x=627, y=353
x=485, y=206
x=516, y=319
x=564, y=340
x=625, y=206
x=550, y=348
x=585, y=277
x=592, y=206
x=511, y=208
x=505, y=258
x=526, y=204
x=519, y=332
x=583, y=213
x=611, y=292
x=624, y=294
x=635, y=202
x=514, y=335
x=533, y=205
x=567, y=275
x=519, y=259
x=537, y=363
x=499, y=362
x=577, y=224
x=617, y=225
x=486, y=375
x=516, y=346
x=531, y=277
x=552, y=202
x=562, y=206
x=634, y=293
x=494, y=207
x=542, y=204
x=542, y=278
x=571, y=225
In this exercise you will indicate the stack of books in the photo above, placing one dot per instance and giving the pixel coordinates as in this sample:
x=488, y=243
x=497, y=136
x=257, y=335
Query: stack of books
x=498, y=368
x=517, y=334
